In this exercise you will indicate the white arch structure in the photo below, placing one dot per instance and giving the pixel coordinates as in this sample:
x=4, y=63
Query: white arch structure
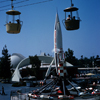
x=16, y=75
x=26, y=61
x=16, y=58
x=22, y=61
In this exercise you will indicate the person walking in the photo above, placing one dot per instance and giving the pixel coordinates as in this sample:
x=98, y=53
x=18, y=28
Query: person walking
x=3, y=93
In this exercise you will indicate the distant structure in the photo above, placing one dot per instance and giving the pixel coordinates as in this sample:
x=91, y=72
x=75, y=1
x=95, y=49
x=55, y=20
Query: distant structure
x=19, y=61
x=15, y=59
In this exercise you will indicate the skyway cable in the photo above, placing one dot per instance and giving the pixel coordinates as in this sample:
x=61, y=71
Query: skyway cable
x=28, y=4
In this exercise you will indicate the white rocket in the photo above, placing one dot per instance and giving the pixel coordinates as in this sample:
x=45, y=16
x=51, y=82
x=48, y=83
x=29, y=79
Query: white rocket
x=58, y=49
x=57, y=36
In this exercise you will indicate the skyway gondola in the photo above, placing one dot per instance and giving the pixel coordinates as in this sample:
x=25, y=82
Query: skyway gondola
x=13, y=26
x=71, y=22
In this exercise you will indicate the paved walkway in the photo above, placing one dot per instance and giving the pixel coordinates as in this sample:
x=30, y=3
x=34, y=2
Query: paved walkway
x=7, y=90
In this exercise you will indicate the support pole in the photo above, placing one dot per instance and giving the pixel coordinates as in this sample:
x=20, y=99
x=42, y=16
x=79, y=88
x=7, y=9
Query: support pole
x=56, y=63
x=73, y=86
x=71, y=3
x=63, y=87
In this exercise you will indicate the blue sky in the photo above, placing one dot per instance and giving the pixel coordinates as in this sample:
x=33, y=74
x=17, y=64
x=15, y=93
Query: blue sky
x=37, y=33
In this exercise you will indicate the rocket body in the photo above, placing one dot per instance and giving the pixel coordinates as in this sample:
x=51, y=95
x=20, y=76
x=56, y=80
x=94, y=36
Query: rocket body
x=57, y=36
x=58, y=49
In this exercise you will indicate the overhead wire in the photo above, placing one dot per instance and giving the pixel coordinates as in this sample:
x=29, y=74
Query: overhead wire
x=4, y=1
x=14, y=3
x=27, y=4
x=21, y=1
x=34, y=3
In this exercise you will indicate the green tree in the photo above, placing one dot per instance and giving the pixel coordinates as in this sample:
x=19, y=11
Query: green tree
x=97, y=60
x=5, y=64
x=0, y=68
x=36, y=63
x=81, y=61
x=86, y=62
x=92, y=61
x=69, y=57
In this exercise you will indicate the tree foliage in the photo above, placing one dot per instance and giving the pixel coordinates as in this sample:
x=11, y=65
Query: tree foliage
x=5, y=64
x=69, y=57
x=83, y=61
x=36, y=63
